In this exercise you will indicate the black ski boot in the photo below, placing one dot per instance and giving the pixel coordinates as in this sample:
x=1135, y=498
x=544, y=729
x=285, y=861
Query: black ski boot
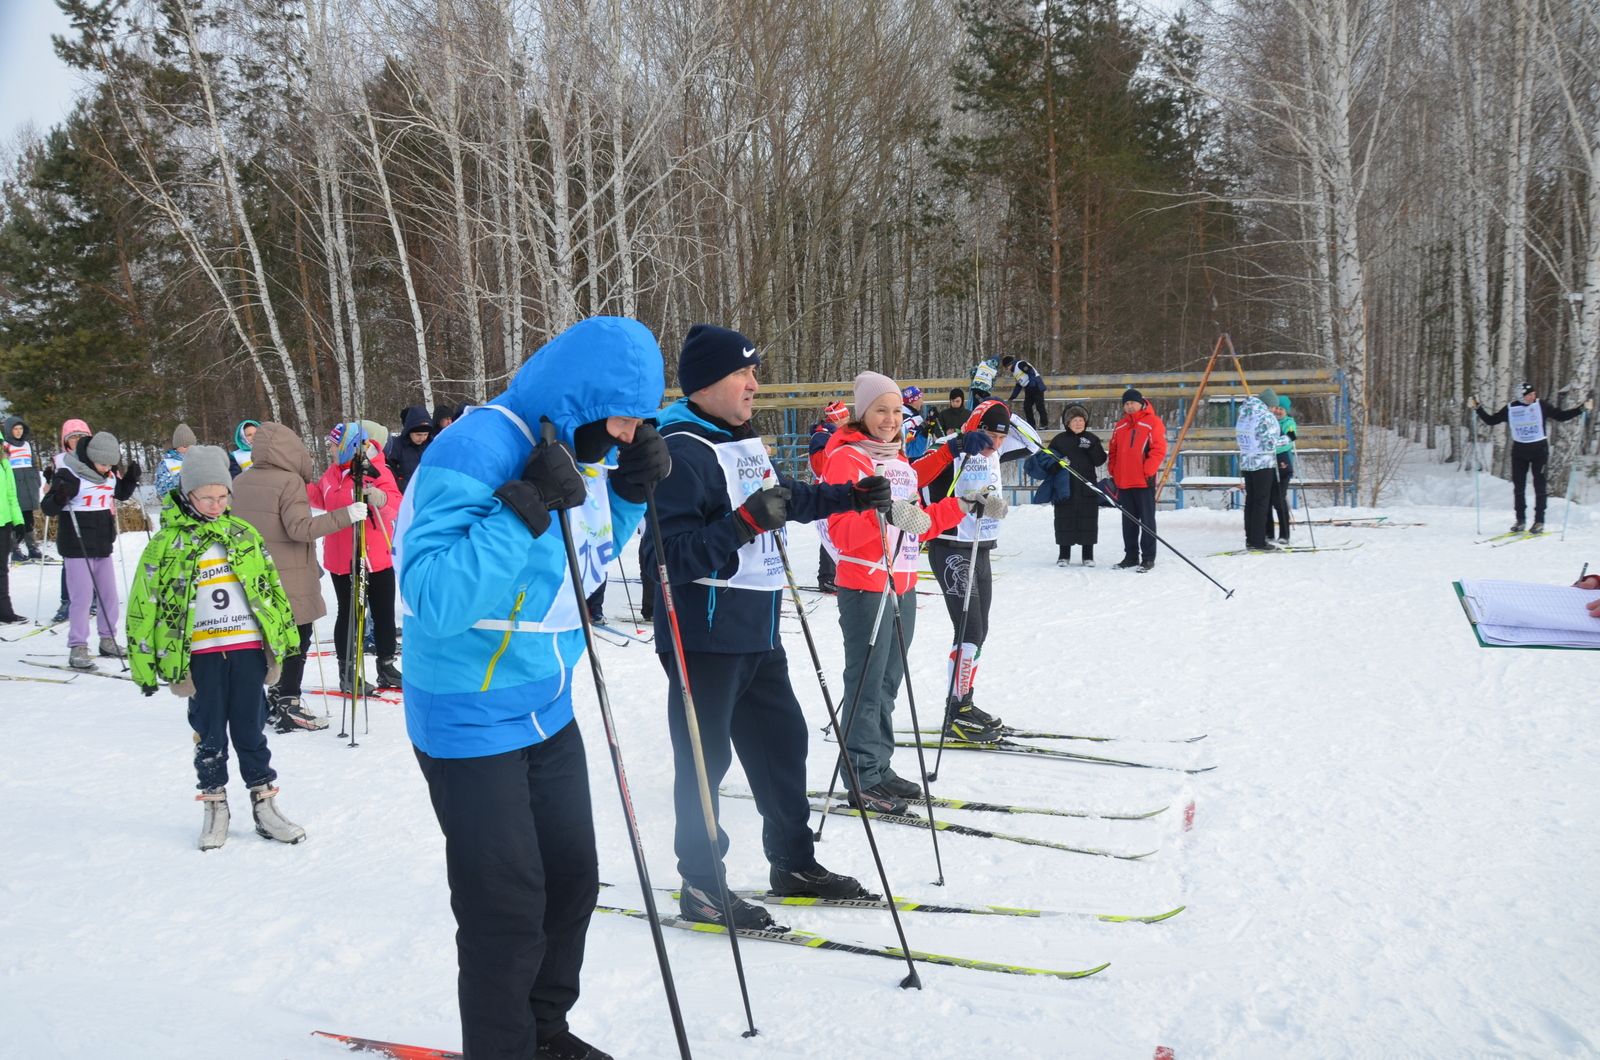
x=815, y=882
x=568, y=1046
x=388, y=676
x=900, y=786
x=879, y=799
x=965, y=722
x=701, y=906
x=1519, y=526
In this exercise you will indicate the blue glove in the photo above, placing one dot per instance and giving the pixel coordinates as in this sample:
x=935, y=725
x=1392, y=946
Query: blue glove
x=970, y=444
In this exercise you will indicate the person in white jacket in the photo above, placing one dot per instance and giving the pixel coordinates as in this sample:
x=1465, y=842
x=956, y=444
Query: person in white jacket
x=1259, y=437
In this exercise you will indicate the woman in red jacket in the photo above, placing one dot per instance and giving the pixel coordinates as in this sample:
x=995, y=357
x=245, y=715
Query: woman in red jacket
x=333, y=491
x=870, y=444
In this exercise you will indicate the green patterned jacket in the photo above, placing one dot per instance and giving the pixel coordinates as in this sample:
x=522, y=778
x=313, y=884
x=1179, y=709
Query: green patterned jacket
x=161, y=603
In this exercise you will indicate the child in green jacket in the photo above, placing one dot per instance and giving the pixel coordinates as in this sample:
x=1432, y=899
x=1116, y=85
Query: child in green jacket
x=208, y=616
x=1285, y=457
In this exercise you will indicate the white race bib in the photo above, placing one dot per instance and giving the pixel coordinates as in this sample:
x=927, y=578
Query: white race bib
x=591, y=536
x=978, y=473
x=745, y=467
x=902, y=487
x=222, y=615
x=983, y=376
x=20, y=455
x=1527, y=422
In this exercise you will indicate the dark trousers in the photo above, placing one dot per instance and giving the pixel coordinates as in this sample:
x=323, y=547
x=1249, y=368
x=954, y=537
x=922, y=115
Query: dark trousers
x=230, y=701
x=950, y=560
x=520, y=856
x=1069, y=532
x=1033, y=406
x=294, y=666
x=1280, y=497
x=1525, y=457
x=1257, y=505
x=380, y=608
x=1139, y=503
x=744, y=703
x=6, y=537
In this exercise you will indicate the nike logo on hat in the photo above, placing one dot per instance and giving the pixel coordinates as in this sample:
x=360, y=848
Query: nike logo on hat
x=749, y=353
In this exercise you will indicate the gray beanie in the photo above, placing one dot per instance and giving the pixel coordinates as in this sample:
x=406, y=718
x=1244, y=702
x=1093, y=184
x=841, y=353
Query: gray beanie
x=204, y=465
x=104, y=449
x=182, y=436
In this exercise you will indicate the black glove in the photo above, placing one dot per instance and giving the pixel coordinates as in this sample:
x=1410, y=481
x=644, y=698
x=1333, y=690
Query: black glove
x=64, y=486
x=871, y=492
x=551, y=481
x=970, y=444
x=368, y=471
x=131, y=476
x=763, y=510
x=147, y=690
x=641, y=464
x=1150, y=481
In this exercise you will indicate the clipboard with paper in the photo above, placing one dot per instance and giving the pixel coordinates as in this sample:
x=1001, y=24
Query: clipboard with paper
x=1507, y=614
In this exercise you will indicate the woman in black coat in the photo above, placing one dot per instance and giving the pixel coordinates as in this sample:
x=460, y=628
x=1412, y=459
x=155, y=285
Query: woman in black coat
x=1077, y=506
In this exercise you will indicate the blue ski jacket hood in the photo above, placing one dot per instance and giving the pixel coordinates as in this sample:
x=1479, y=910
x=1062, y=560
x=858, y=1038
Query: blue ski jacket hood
x=487, y=668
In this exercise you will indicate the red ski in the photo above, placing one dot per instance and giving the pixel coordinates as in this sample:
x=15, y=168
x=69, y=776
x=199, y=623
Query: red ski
x=390, y=1049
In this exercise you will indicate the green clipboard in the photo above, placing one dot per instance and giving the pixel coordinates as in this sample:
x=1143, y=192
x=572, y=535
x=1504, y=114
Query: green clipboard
x=1461, y=598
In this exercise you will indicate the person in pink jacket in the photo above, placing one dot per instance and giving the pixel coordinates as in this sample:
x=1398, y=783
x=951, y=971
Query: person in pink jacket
x=333, y=491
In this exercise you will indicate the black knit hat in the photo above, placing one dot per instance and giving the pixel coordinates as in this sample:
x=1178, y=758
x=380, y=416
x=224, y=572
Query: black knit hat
x=711, y=353
x=996, y=418
x=1131, y=394
x=1072, y=410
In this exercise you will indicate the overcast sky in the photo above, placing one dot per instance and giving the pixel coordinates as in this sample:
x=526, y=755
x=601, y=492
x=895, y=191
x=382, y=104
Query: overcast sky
x=35, y=86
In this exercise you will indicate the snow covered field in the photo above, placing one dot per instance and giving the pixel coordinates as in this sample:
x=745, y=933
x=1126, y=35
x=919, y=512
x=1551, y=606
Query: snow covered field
x=1396, y=855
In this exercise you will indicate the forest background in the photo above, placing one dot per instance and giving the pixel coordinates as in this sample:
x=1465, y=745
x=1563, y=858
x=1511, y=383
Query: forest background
x=314, y=209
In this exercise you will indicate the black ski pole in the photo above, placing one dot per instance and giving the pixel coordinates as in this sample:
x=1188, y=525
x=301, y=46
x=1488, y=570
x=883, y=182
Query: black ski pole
x=911, y=698
x=628, y=814
x=1305, y=496
x=627, y=593
x=951, y=699
x=356, y=632
x=692, y=725
x=1226, y=592
x=94, y=582
x=912, y=979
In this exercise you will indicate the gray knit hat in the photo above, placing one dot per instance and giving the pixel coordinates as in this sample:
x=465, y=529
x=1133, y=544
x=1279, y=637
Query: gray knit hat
x=204, y=465
x=183, y=436
x=104, y=449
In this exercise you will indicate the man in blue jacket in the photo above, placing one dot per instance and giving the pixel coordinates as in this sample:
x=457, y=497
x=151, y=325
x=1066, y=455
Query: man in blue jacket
x=495, y=635
x=727, y=578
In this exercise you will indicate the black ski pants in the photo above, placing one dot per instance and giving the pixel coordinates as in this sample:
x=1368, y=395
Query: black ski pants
x=1033, y=406
x=951, y=562
x=1139, y=503
x=520, y=855
x=380, y=605
x=1280, y=498
x=744, y=703
x=1257, y=505
x=1525, y=457
x=294, y=666
x=7, y=535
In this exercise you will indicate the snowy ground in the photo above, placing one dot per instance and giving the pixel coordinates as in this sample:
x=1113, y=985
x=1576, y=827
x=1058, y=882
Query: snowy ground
x=1394, y=857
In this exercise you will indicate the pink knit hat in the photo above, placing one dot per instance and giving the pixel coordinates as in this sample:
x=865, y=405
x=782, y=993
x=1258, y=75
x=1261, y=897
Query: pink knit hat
x=870, y=386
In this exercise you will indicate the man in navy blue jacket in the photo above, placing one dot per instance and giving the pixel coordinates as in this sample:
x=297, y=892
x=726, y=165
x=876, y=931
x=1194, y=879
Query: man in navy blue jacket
x=727, y=577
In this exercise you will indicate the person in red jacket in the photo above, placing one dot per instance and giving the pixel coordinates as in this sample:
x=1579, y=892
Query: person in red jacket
x=1138, y=445
x=870, y=444
x=336, y=490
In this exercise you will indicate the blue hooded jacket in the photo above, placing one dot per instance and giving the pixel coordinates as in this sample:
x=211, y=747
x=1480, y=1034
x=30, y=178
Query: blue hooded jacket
x=480, y=678
x=700, y=533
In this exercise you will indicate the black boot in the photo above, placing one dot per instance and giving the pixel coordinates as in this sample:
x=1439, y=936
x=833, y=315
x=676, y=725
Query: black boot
x=568, y=1046
x=815, y=882
x=388, y=676
x=700, y=904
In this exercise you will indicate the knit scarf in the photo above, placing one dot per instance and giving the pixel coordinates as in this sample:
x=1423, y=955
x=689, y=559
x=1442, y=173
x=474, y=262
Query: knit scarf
x=880, y=452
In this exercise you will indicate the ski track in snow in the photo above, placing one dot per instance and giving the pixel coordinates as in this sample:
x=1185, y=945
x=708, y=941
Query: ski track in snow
x=1395, y=857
